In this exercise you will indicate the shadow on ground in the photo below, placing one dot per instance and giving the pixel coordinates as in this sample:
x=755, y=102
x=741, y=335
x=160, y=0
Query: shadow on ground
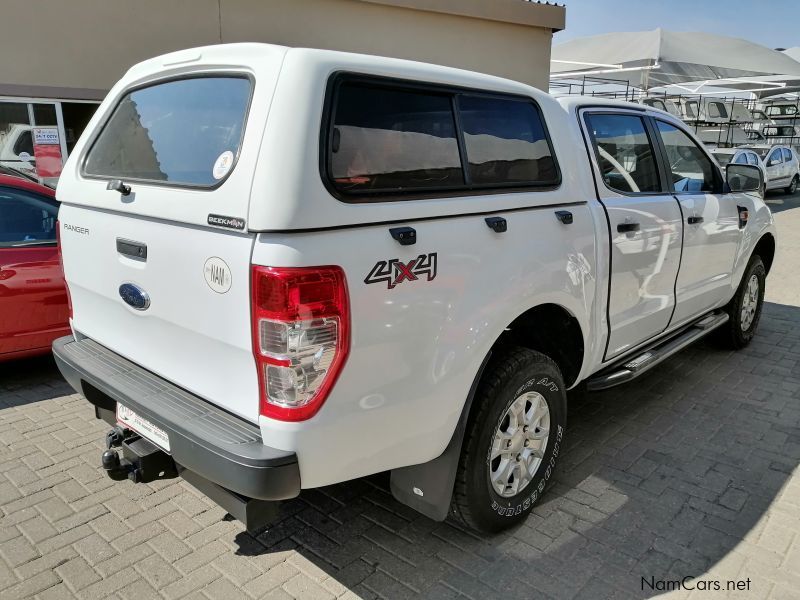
x=779, y=201
x=660, y=479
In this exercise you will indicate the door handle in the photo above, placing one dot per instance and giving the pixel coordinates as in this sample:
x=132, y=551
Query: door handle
x=694, y=220
x=627, y=227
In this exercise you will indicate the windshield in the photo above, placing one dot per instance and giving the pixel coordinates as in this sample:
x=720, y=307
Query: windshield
x=183, y=132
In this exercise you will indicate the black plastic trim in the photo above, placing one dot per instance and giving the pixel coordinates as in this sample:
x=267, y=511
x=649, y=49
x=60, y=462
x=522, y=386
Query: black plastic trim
x=421, y=219
x=218, y=446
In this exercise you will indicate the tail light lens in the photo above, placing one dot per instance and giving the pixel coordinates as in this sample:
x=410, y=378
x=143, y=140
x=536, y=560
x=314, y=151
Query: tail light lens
x=301, y=337
x=61, y=264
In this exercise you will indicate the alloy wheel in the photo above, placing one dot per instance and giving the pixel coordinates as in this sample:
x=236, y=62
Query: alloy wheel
x=519, y=444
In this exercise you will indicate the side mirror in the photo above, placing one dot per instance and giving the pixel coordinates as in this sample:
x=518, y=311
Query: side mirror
x=744, y=178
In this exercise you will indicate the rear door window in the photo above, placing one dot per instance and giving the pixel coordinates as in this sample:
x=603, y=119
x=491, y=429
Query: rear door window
x=181, y=132
x=624, y=153
x=390, y=140
x=787, y=155
x=752, y=159
x=505, y=142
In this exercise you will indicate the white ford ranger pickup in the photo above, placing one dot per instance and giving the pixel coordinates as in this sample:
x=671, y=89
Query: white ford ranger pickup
x=290, y=268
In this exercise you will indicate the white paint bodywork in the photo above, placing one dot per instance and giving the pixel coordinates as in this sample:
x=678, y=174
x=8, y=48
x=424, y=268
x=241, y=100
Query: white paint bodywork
x=415, y=349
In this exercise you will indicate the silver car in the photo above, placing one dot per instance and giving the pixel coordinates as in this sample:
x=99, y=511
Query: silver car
x=782, y=166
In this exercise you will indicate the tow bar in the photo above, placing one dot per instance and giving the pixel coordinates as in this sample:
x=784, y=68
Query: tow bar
x=141, y=462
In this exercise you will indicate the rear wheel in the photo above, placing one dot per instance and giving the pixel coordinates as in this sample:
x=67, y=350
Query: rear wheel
x=745, y=307
x=512, y=440
x=793, y=185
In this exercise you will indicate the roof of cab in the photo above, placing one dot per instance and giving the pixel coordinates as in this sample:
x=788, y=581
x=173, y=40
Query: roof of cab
x=251, y=54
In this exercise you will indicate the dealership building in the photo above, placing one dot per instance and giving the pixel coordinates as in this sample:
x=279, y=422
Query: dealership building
x=60, y=58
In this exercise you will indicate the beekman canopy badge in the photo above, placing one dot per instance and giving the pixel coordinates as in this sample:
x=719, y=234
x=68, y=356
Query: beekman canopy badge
x=217, y=274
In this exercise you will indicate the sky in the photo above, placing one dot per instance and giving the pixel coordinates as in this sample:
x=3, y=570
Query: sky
x=772, y=23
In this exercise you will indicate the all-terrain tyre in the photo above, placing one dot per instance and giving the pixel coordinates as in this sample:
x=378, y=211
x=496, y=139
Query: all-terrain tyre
x=512, y=441
x=745, y=307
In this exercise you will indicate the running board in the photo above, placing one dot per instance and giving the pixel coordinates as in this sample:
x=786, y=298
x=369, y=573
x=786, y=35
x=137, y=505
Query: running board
x=631, y=368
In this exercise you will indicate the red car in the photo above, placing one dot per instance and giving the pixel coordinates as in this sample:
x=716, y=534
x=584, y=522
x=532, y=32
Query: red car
x=33, y=296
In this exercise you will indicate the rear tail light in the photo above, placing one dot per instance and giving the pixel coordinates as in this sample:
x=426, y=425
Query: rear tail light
x=301, y=337
x=61, y=263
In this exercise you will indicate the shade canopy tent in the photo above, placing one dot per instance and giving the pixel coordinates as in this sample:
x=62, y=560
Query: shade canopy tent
x=769, y=86
x=659, y=58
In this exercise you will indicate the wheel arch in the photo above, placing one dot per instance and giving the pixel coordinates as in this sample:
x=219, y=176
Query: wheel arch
x=548, y=328
x=555, y=332
x=765, y=248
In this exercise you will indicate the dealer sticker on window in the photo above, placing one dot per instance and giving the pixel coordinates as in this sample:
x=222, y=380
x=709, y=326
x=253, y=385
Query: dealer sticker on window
x=128, y=418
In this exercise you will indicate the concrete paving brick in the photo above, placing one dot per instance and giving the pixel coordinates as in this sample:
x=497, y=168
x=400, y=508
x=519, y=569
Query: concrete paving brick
x=77, y=573
x=18, y=551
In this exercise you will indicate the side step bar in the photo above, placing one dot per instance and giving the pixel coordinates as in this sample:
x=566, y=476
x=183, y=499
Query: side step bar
x=631, y=368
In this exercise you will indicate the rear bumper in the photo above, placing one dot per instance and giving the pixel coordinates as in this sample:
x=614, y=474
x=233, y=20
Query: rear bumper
x=219, y=447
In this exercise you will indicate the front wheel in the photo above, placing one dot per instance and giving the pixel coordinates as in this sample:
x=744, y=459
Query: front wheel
x=512, y=440
x=745, y=307
x=793, y=186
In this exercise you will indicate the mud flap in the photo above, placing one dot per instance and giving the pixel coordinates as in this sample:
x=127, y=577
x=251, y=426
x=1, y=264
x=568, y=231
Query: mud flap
x=428, y=487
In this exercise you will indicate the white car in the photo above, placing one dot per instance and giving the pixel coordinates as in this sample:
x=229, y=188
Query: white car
x=290, y=268
x=781, y=165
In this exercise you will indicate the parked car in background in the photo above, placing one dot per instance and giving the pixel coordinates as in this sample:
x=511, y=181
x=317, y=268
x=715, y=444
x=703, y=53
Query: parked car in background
x=740, y=156
x=33, y=297
x=782, y=166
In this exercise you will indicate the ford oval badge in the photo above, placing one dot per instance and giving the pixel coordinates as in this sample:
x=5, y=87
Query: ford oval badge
x=134, y=296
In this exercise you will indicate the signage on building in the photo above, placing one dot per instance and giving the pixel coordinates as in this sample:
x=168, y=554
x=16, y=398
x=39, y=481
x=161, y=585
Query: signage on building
x=47, y=150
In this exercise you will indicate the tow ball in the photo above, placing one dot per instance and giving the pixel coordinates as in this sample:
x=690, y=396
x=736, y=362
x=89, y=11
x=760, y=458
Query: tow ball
x=141, y=461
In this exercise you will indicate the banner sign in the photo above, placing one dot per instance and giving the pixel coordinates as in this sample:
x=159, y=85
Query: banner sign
x=47, y=151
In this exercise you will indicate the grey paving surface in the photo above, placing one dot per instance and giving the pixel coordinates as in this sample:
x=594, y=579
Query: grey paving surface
x=692, y=471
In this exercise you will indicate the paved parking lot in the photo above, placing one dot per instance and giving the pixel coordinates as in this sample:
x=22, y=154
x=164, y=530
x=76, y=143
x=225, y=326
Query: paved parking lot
x=692, y=471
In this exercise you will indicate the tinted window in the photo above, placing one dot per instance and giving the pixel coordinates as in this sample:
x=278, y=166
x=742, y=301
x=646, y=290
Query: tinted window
x=393, y=140
x=505, y=142
x=624, y=153
x=691, y=169
x=26, y=219
x=787, y=155
x=186, y=132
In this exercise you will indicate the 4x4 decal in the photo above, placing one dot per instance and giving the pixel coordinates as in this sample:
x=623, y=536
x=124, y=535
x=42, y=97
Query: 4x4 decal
x=394, y=272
